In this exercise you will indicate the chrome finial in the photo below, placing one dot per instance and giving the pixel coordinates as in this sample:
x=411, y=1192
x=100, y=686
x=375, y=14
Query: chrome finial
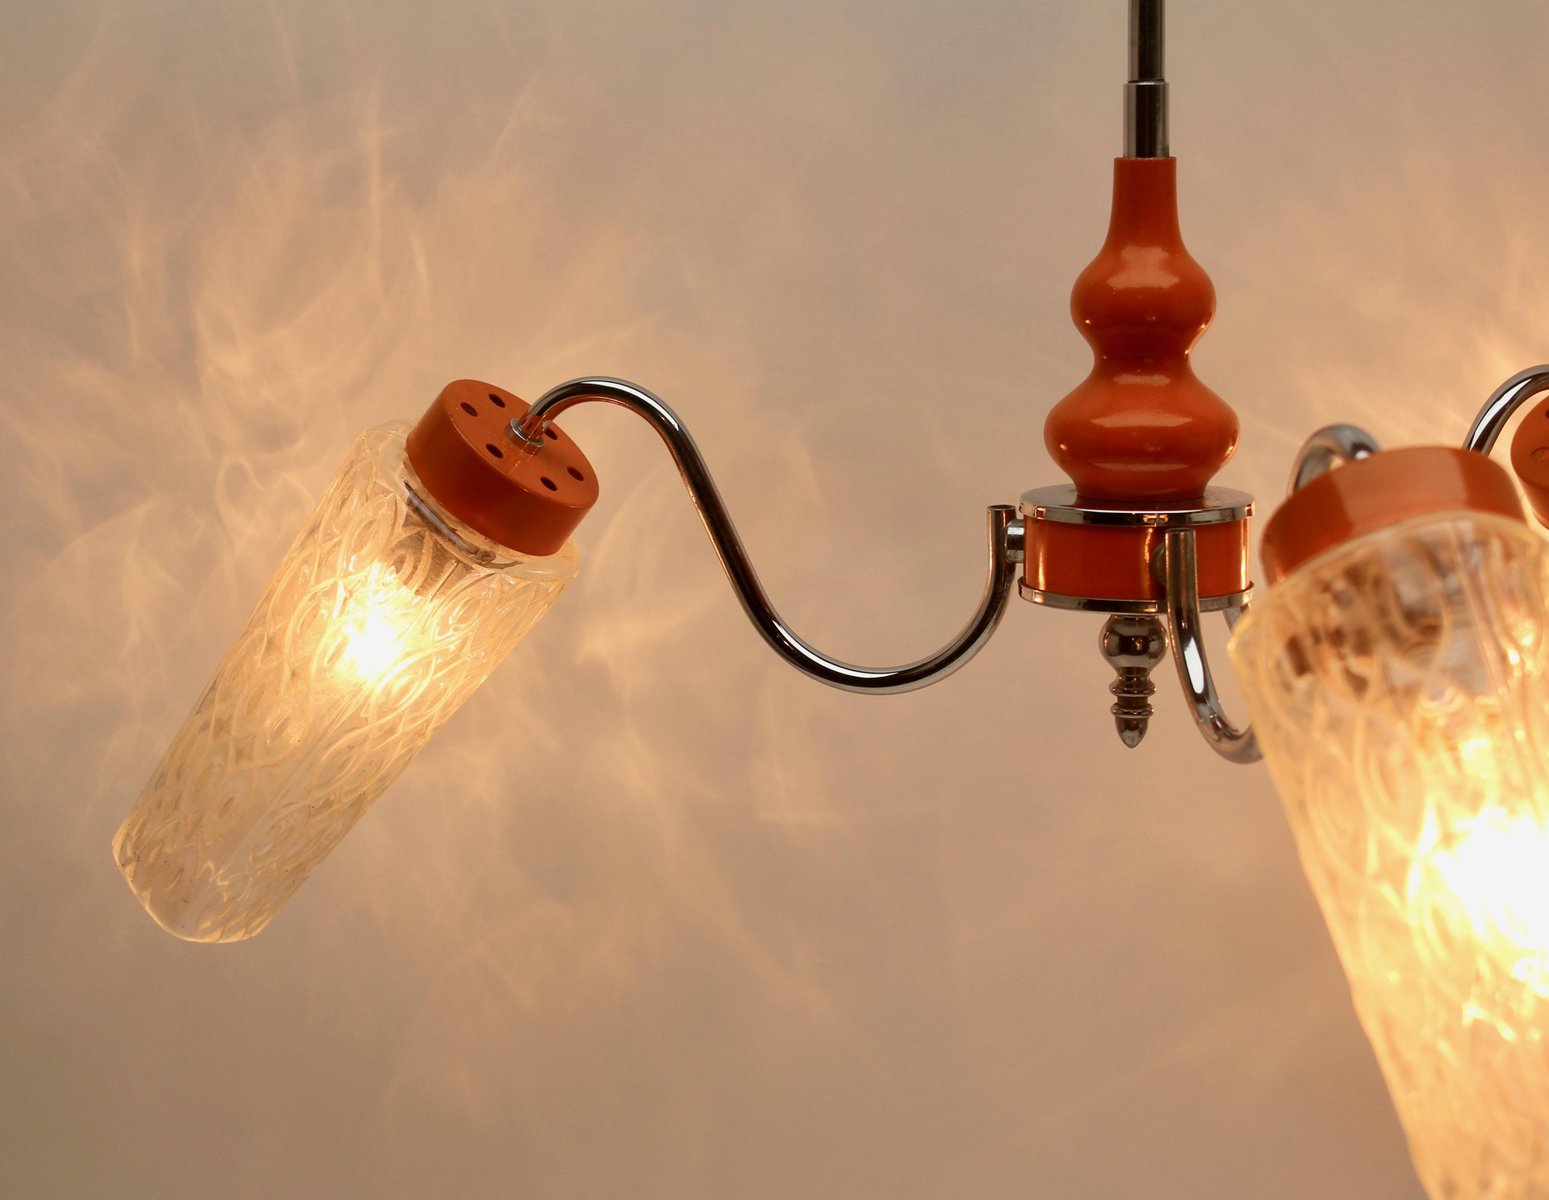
x=1132, y=646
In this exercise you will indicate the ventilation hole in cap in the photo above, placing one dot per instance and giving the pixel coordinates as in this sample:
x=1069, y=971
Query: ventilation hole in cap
x=469, y=409
x=551, y=435
x=1541, y=454
x=549, y=483
x=494, y=449
x=496, y=400
x=574, y=474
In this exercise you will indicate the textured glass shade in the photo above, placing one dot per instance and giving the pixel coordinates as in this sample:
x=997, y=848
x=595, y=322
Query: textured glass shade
x=382, y=618
x=1399, y=686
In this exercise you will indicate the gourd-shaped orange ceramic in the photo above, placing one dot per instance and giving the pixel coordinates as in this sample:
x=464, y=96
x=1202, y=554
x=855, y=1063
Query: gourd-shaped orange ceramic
x=1142, y=426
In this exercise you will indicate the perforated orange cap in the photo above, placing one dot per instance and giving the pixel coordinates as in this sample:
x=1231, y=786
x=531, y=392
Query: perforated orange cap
x=528, y=502
x=1530, y=458
x=1378, y=491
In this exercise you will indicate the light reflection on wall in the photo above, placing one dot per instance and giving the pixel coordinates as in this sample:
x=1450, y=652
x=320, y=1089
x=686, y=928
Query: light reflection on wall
x=652, y=917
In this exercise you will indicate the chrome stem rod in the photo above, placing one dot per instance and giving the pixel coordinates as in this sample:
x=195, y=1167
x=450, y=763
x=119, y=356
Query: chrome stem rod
x=1145, y=95
x=1504, y=401
x=1005, y=550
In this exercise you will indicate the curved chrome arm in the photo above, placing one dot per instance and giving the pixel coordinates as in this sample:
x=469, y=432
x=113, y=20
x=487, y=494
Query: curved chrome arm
x=1342, y=443
x=1504, y=401
x=1005, y=536
x=1180, y=574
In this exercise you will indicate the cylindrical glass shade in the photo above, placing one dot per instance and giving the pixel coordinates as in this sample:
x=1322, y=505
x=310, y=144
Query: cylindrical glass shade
x=383, y=617
x=1398, y=688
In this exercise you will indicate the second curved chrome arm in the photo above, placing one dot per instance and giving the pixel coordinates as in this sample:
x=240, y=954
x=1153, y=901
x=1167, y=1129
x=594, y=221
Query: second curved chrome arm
x=1327, y=446
x=1504, y=401
x=1180, y=575
x=1005, y=537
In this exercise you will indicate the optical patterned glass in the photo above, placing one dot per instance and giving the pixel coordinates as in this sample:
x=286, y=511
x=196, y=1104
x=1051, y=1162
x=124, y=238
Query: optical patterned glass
x=381, y=620
x=1398, y=688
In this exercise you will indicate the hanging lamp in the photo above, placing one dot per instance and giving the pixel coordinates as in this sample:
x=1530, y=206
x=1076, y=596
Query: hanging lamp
x=1396, y=670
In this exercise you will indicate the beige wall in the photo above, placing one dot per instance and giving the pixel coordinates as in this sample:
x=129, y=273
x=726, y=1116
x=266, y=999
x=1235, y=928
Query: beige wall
x=655, y=917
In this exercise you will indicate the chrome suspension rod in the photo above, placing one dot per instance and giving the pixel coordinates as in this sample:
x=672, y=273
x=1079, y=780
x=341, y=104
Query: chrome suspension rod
x=1145, y=95
x=1005, y=538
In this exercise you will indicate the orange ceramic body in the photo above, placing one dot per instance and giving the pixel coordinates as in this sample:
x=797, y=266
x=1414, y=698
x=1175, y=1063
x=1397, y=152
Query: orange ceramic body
x=1141, y=427
x=1114, y=563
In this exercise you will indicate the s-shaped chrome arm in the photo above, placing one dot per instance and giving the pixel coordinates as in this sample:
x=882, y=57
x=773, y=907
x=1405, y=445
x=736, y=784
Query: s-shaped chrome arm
x=1005, y=537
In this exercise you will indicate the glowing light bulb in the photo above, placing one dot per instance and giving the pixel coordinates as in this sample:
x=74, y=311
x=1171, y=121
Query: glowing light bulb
x=374, y=646
x=1497, y=865
x=376, y=624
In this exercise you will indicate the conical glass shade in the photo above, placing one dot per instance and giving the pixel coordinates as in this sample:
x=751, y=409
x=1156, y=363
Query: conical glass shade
x=1399, y=686
x=378, y=624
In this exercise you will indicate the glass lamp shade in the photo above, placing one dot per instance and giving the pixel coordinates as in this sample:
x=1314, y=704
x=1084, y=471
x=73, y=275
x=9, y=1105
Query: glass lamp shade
x=1399, y=687
x=384, y=616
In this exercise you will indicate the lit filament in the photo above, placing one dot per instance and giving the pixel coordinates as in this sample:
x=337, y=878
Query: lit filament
x=1498, y=868
x=376, y=621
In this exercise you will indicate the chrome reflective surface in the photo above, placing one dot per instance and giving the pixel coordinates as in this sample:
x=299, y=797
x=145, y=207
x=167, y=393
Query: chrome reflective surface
x=1180, y=571
x=1325, y=447
x=1147, y=39
x=1016, y=541
x=1230, y=604
x=428, y=511
x=1145, y=95
x=1005, y=538
x=1504, y=401
x=1059, y=503
x=1132, y=646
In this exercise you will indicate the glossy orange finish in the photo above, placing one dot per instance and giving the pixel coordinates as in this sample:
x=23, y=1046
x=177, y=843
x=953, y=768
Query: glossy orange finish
x=1374, y=493
x=1530, y=458
x=1105, y=562
x=1142, y=426
x=528, y=502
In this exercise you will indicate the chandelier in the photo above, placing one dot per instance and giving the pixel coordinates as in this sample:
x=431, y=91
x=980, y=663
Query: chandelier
x=1395, y=668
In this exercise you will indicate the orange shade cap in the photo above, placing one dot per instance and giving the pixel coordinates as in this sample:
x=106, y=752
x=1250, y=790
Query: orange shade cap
x=527, y=502
x=1378, y=491
x=1530, y=458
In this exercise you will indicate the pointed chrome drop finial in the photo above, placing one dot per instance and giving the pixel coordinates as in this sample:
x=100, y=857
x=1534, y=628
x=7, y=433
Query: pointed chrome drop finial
x=1132, y=646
